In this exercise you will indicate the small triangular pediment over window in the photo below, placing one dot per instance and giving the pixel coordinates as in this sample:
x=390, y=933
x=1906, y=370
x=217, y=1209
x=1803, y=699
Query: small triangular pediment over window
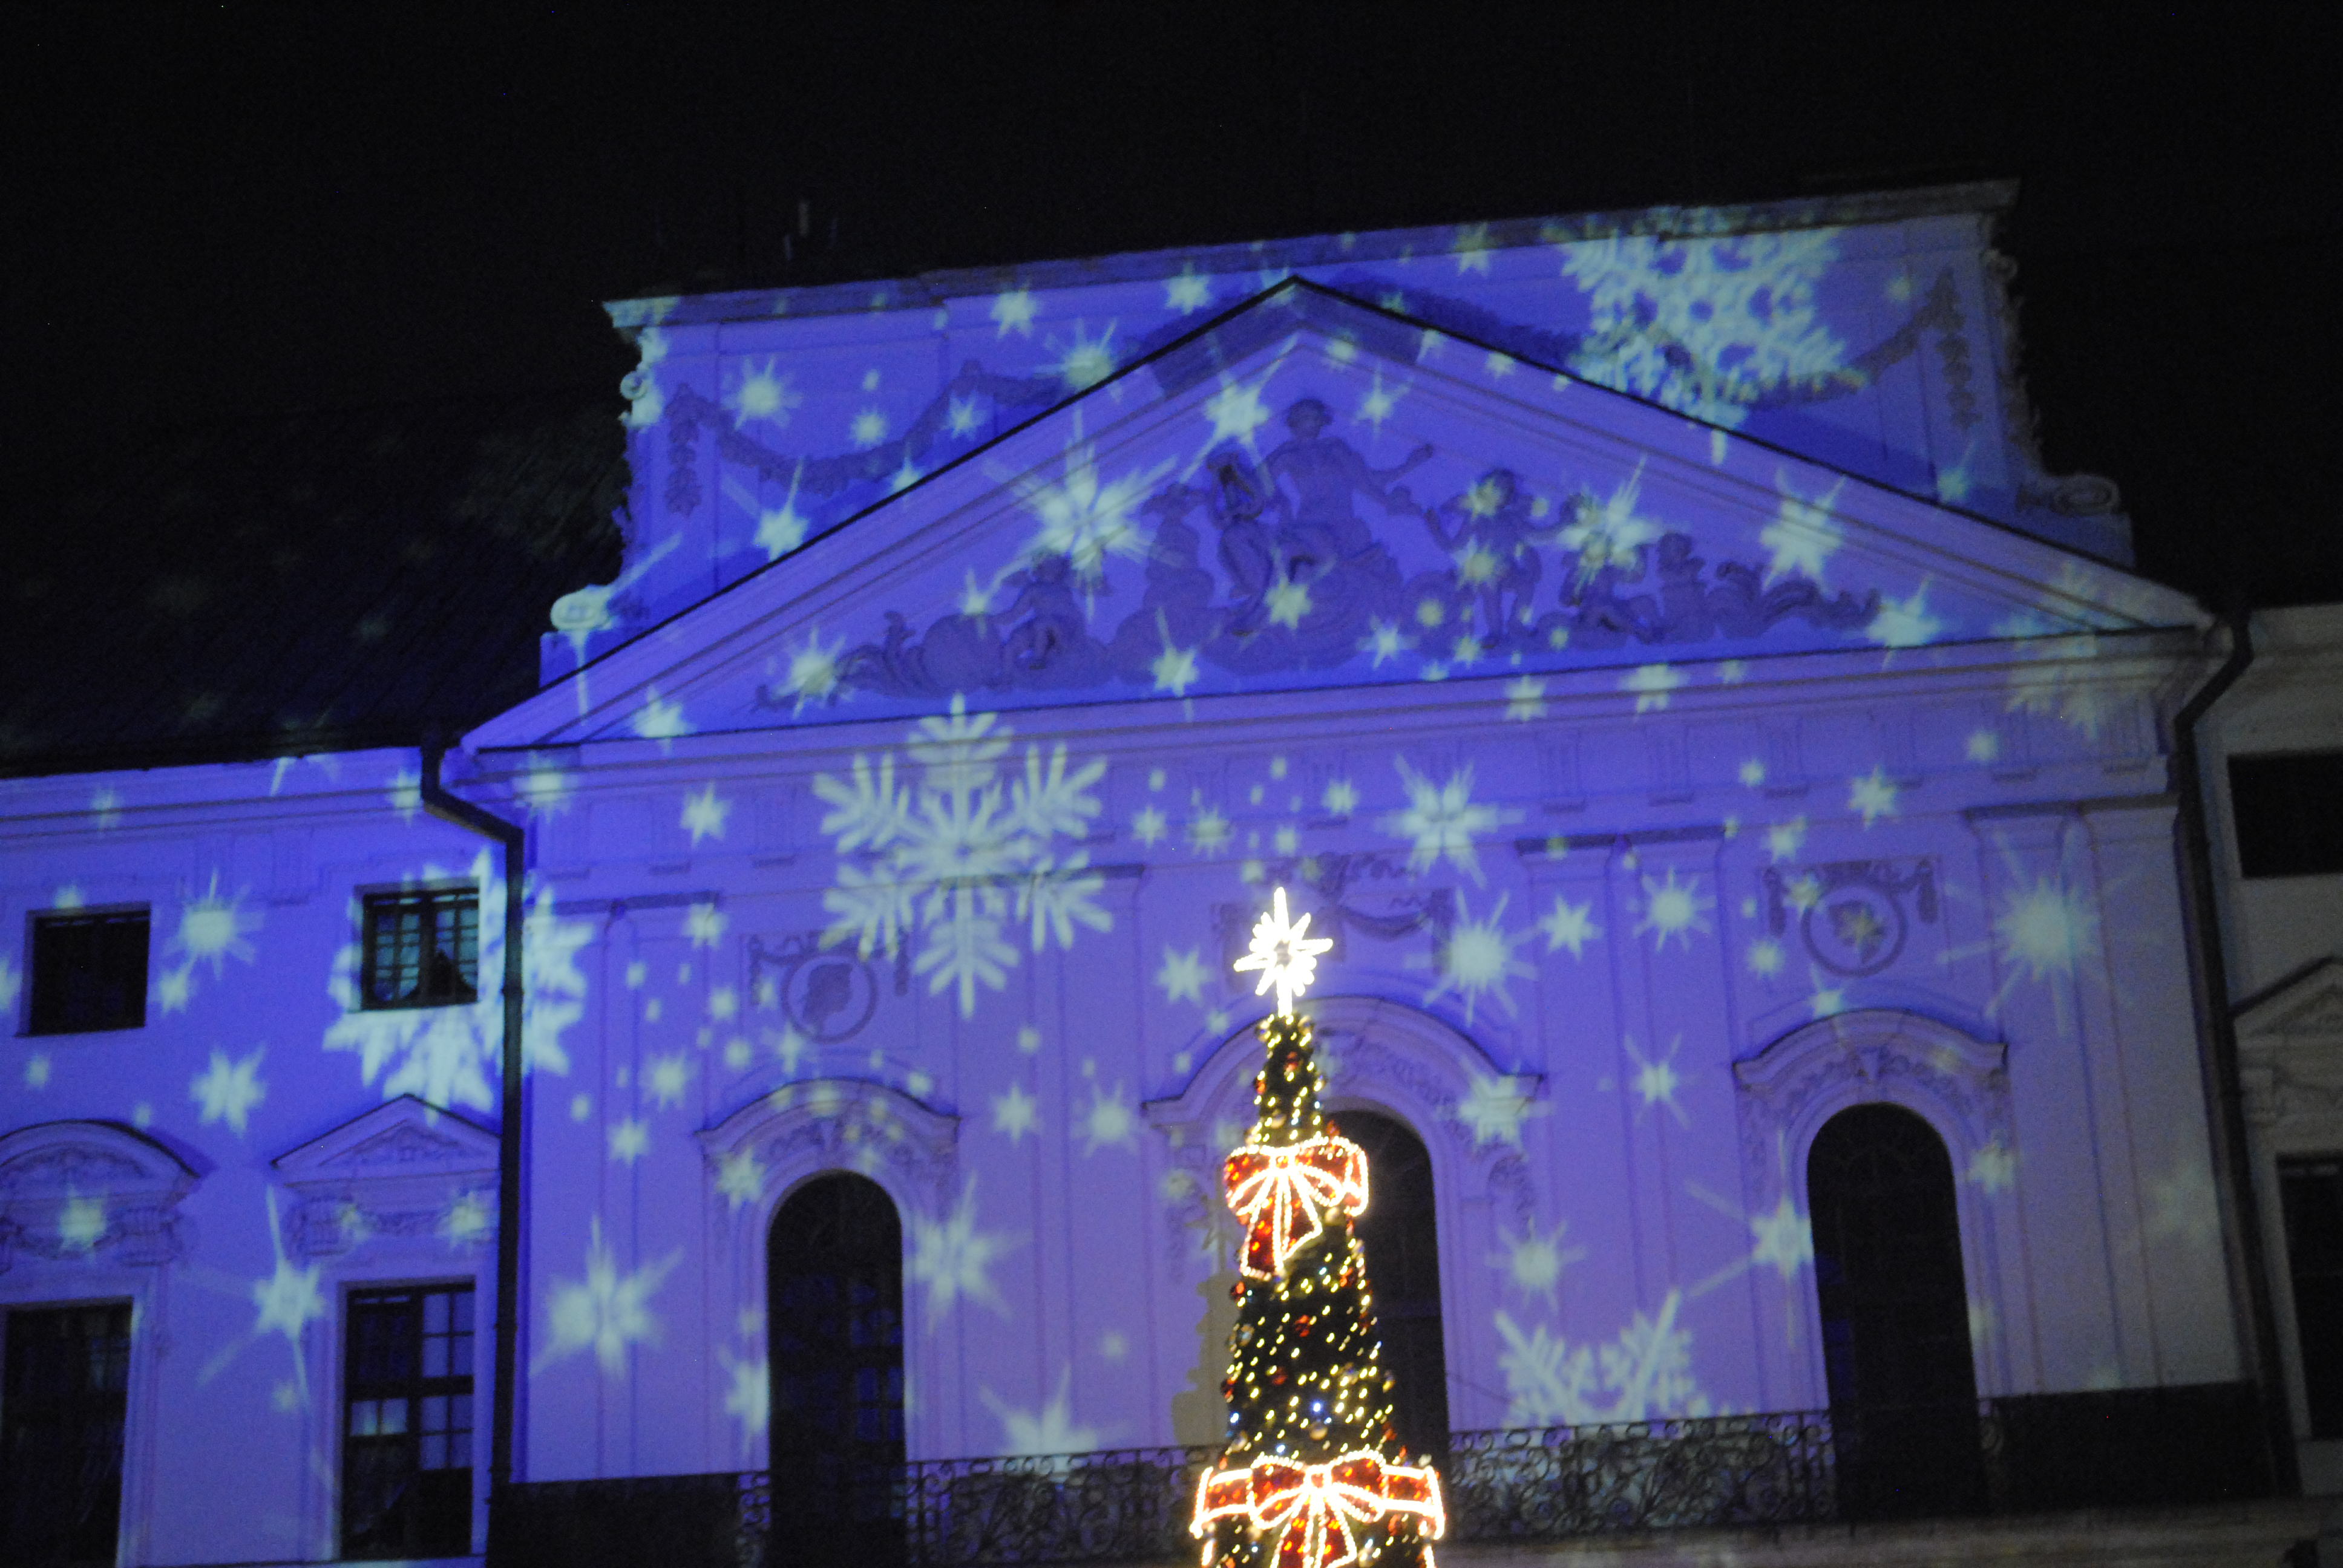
x=398, y=1138
x=1314, y=493
x=2306, y=1009
x=406, y=1172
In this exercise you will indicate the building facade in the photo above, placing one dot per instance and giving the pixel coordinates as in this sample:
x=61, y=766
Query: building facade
x=1729, y=768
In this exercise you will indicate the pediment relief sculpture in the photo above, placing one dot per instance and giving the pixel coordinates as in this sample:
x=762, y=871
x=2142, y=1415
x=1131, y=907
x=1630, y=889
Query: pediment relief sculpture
x=404, y=1171
x=75, y=1191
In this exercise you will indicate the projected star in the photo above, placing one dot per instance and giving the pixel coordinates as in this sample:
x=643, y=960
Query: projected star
x=1014, y=312
x=1285, y=954
x=1874, y=795
x=1189, y=291
x=705, y=814
x=1015, y=1113
x=1380, y=401
x=1182, y=976
x=229, y=1090
x=1569, y=925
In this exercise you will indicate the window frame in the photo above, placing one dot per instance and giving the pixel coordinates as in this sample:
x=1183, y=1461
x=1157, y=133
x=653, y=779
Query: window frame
x=416, y=1388
x=128, y=1373
x=31, y=1022
x=434, y=896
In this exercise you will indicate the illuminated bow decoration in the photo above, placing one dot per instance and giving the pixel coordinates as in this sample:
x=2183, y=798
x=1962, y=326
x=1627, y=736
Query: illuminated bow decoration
x=1314, y=1510
x=1284, y=1195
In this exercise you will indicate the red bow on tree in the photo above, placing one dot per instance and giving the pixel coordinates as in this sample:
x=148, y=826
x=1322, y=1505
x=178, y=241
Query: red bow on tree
x=1284, y=1195
x=1315, y=1512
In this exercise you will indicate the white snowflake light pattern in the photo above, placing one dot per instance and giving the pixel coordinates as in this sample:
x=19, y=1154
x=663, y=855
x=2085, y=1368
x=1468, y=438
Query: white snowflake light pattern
x=1674, y=909
x=954, y=1259
x=1569, y=925
x=1047, y=1432
x=607, y=1311
x=1476, y=958
x=1646, y=1372
x=1015, y=1113
x=1804, y=533
x=1493, y=1110
x=1182, y=976
x=227, y=1090
x=1707, y=326
x=705, y=814
x=1532, y=1262
x=1083, y=518
x=1109, y=1121
x=949, y=857
x=1442, y=820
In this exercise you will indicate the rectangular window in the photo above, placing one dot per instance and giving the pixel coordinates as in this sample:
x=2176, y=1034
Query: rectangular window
x=422, y=949
x=406, y=1423
x=2311, y=1192
x=2288, y=810
x=89, y=972
x=66, y=1391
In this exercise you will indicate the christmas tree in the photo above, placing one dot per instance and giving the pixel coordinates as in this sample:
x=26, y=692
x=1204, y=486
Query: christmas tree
x=1313, y=1476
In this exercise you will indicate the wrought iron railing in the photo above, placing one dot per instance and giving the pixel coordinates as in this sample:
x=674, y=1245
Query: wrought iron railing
x=1563, y=1480
x=2169, y=1446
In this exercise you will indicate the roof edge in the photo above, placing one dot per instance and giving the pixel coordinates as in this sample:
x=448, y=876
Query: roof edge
x=1986, y=197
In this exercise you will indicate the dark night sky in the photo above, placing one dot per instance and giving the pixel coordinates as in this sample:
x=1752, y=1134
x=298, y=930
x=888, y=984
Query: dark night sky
x=219, y=210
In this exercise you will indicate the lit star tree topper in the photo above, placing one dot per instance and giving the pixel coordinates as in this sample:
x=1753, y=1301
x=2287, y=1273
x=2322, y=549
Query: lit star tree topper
x=1286, y=953
x=1313, y=1474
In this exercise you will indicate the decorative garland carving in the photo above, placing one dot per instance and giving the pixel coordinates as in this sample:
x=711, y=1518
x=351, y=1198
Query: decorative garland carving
x=1792, y=1087
x=834, y=1124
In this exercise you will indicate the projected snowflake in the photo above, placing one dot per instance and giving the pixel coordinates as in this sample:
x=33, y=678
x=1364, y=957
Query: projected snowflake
x=448, y=1055
x=227, y=1090
x=953, y=1259
x=1476, y=958
x=1045, y=1432
x=747, y=1394
x=212, y=929
x=1646, y=1372
x=1532, y=1262
x=1707, y=326
x=1441, y=821
x=607, y=1311
x=953, y=855
x=1083, y=518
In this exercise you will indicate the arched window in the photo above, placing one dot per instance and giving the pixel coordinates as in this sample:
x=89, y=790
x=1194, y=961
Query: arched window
x=1895, y=1315
x=835, y=1276
x=1401, y=1237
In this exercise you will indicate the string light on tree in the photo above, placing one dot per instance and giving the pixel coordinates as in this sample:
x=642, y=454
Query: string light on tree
x=1313, y=1476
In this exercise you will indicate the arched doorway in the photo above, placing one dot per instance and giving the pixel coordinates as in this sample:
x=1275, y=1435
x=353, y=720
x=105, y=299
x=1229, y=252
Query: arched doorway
x=1895, y=1315
x=1400, y=1233
x=834, y=1268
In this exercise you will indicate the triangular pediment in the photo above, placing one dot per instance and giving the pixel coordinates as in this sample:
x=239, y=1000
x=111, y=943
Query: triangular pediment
x=2308, y=1007
x=398, y=1139
x=1310, y=493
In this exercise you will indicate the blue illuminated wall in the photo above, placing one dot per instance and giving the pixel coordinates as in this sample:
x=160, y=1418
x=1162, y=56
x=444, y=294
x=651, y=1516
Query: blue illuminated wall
x=1586, y=629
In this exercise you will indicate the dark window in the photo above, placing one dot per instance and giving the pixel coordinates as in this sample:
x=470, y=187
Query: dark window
x=61, y=1411
x=2311, y=1191
x=2288, y=810
x=422, y=949
x=406, y=1423
x=89, y=972
x=835, y=1289
x=1895, y=1315
x=1400, y=1235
